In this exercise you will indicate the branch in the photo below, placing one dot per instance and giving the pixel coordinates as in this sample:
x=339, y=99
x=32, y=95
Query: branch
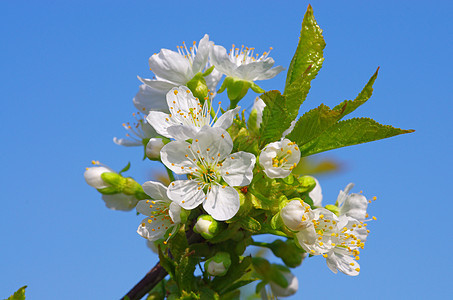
x=153, y=277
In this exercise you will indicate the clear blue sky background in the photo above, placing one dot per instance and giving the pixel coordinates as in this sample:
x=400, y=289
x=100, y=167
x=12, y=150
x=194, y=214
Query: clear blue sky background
x=68, y=76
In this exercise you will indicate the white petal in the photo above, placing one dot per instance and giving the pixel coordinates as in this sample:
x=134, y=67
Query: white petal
x=221, y=61
x=126, y=142
x=175, y=212
x=344, y=263
x=171, y=66
x=355, y=206
x=148, y=208
x=182, y=132
x=120, y=202
x=226, y=119
x=186, y=193
x=270, y=73
x=316, y=194
x=153, y=148
x=154, y=230
x=222, y=203
x=181, y=99
x=239, y=167
x=155, y=190
x=201, y=58
x=342, y=195
x=173, y=155
x=217, y=140
x=160, y=121
x=296, y=215
x=160, y=86
x=148, y=99
x=307, y=237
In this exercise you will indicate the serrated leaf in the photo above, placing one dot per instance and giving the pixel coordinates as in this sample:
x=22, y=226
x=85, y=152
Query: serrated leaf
x=250, y=224
x=351, y=105
x=352, y=132
x=309, y=50
x=313, y=123
x=275, y=118
x=19, y=294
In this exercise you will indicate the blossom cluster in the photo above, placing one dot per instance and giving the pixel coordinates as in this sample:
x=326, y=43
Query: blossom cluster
x=230, y=178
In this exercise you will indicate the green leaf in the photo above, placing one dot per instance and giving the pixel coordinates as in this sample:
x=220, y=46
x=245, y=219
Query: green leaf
x=185, y=271
x=167, y=263
x=19, y=294
x=352, y=132
x=276, y=221
x=351, y=105
x=126, y=168
x=313, y=123
x=250, y=224
x=178, y=243
x=309, y=52
x=236, y=272
x=260, y=286
x=237, y=285
x=275, y=117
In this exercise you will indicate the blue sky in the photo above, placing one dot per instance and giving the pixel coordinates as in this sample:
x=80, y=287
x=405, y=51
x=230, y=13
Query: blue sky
x=68, y=76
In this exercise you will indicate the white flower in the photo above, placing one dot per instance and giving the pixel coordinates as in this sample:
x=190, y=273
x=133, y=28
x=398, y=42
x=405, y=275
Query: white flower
x=173, y=69
x=352, y=205
x=279, y=158
x=163, y=214
x=212, y=171
x=297, y=215
x=243, y=64
x=291, y=289
x=153, y=148
x=120, y=201
x=187, y=116
x=93, y=176
x=336, y=239
x=137, y=132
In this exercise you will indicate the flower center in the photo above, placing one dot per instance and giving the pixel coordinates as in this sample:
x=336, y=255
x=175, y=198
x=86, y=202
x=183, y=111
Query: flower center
x=246, y=55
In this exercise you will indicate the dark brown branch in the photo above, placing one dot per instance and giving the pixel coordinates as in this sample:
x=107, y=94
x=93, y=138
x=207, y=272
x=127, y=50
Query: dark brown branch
x=153, y=277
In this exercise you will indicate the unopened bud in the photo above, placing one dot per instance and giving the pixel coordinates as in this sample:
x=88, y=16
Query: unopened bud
x=206, y=226
x=153, y=148
x=218, y=265
x=296, y=215
x=287, y=251
x=93, y=176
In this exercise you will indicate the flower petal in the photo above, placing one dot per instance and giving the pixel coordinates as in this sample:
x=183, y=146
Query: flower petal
x=212, y=141
x=221, y=61
x=175, y=212
x=237, y=169
x=171, y=66
x=160, y=86
x=155, y=190
x=148, y=99
x=186, y=193
x=160, y=121
x=222, y=203
x=355, y=206
x=182, y=132
x=120, y=202
x=126, y=142
x=149, y=208
x=178, y=157
x=226, y=119
x=316, y=194
x=344, y=263
x=154, y=230
x=201, y=58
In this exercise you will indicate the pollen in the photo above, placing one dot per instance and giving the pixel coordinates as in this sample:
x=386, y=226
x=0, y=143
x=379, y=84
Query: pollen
x=176, y=92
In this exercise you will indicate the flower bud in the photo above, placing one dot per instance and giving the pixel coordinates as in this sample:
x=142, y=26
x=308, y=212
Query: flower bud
x=93, y=176
x=287, y=251
x=153, y=148
x=206, y=226
x=218, y=265
x=296, y=215
x=291, y=289
x=236, y=89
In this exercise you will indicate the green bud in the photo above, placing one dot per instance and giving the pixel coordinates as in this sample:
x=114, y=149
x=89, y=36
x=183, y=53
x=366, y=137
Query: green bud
x=236, y=89
x=198, y=86
x=112, y=178
x=333, y=208
x=130, y=186
x=262, y=266
x=206, y=226
x=306, y=184
x=219, y=264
